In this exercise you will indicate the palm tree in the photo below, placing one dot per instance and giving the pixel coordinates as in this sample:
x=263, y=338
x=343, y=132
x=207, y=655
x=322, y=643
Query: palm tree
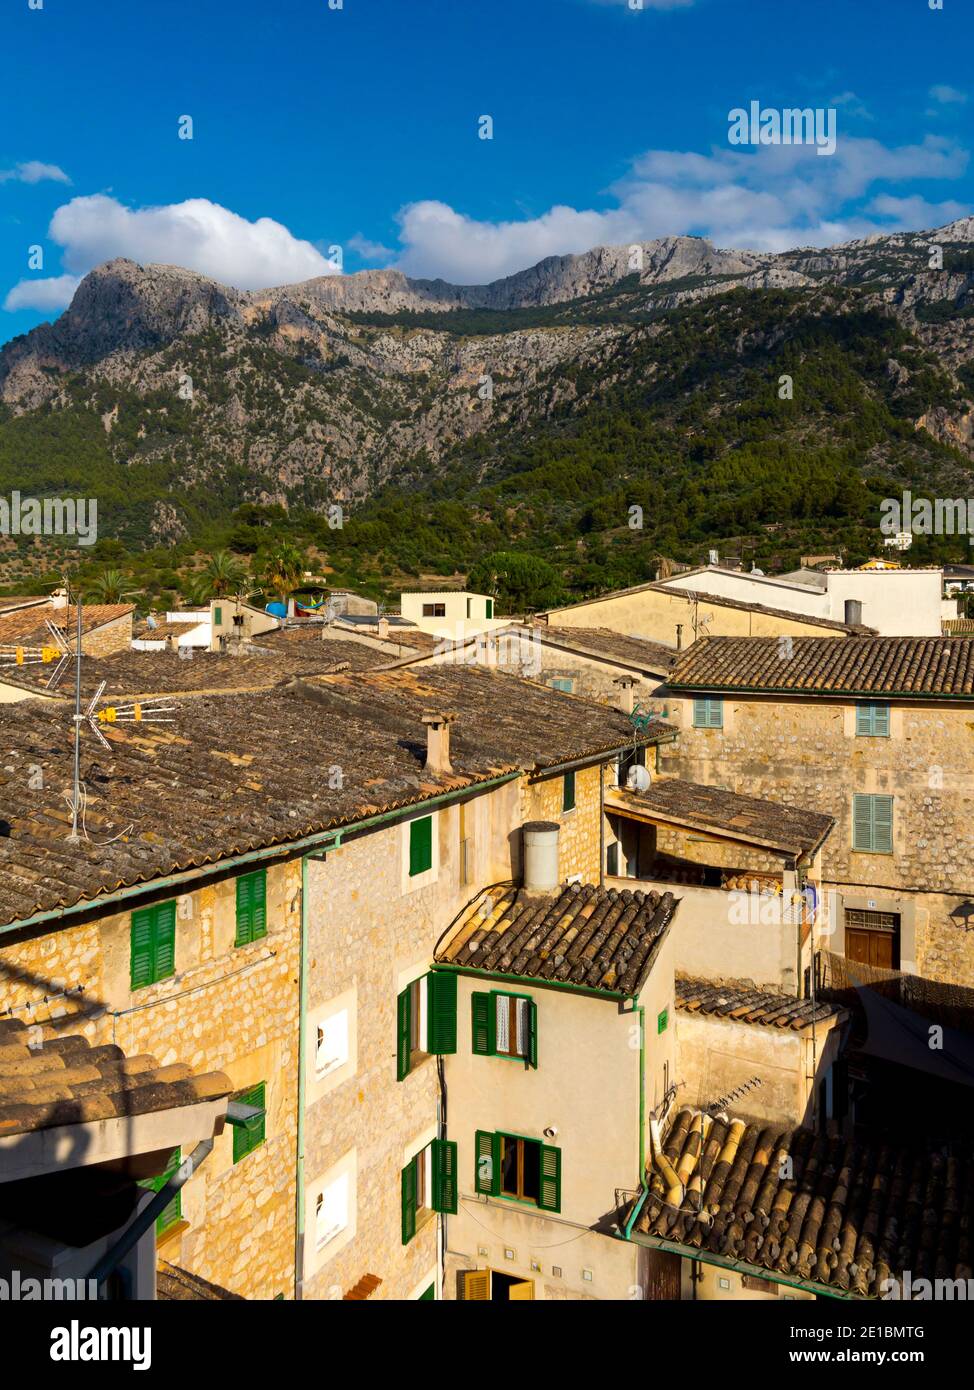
x=107, y=587
x=282, y=570
x=225, y=574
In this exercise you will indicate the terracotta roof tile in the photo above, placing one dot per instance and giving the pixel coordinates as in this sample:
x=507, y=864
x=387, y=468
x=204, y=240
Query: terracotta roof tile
x=741, y=1004
x=28, y=625
x=928, y=667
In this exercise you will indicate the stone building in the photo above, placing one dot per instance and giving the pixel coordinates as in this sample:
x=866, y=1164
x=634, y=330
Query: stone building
x=877, y=733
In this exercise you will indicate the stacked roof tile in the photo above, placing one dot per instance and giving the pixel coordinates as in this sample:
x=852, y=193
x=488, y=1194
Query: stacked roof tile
x=743, y=1004
x=598, y=938
x=830, y=1212
x=67, y=1081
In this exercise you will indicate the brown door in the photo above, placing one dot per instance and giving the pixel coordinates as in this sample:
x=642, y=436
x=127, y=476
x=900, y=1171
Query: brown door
x=873, y=938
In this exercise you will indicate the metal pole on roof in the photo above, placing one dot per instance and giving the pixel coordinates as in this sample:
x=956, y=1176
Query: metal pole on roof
x=76, y=794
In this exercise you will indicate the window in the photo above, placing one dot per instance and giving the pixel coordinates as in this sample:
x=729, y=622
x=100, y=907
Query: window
x=708, y=712
x=331, y=1211
x=429, y=1183
x=469, y=607
x=153, y=944
x=434, y=610
x=251, y=1134
x=568, y=792
x=612, y=859
x=426, y=1019
x=420, y=845
x=564, y=683
x=218, y=616
x=251, y=907
x=173, y=1211
x=524, y=1169
x=872, y=824
x=490, y=608
x=872, y=719
x=662, y=1021
x=331, y=1047
x=505, y=1025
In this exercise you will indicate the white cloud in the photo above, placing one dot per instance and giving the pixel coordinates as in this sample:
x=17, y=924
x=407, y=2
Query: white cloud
x=852, y=105
x=947, y=96
x=196, y=234
x=33, y=171
x=53, y=293
x=770, y=198
x=370, y=250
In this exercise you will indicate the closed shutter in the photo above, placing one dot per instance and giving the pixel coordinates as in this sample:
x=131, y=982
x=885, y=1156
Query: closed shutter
x=409, y=1201
x=487, y=1176
x=165, y=952
x=140, y=961
x=258, y=926
x=568, y=792
x=442, y=1012
x=872, y=718
x=403, y=1034
x=549, y=1197
x=420, y=846
x=862, y=822
x=445, y=1176
x=251, y=908
x=708, y=713
x=243, y=911
x=883, y=824
x=480, y=1006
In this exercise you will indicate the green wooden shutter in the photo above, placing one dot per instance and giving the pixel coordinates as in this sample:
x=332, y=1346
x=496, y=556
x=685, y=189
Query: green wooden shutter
x=244, y=900
x=403, y=1034
x=165, y=943
x=259, y=921
x=172, y=1212
x=251, y=907
x=549, y=1198
x=862, y=822
x=420, y=846
x=699, y=714
x=142, y=937
x=488, y=1172
x=409, y=1201
x=442, y=1012
x=568, y=792
x=251, y=1135
x=872, y=719
x=445, y=1176
x=882, y=824
x=532, y=1033
x=480, y=1009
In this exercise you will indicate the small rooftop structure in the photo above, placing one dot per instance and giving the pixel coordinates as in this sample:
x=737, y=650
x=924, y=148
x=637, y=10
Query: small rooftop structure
x=601, y=939
x=743, y=1004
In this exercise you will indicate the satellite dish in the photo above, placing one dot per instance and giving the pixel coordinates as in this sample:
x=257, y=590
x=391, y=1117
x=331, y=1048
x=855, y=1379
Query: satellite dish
x=638, y=779
x=151, y=623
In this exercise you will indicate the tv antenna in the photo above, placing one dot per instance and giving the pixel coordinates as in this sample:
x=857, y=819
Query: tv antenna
x=58, y=651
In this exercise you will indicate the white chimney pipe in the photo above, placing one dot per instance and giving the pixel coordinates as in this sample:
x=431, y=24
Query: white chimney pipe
x=541, y=856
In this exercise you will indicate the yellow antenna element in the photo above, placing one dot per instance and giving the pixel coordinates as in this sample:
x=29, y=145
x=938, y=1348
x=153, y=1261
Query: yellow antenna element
x=19, y=656
x=137, y=711
x=107, y=716
x=49, y=654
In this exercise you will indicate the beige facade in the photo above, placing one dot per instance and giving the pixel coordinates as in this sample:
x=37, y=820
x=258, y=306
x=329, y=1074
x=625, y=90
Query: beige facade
x=805, y=751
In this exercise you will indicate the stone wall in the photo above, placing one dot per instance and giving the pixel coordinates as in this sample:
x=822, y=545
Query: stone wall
x=109, y=638
x=806, y=753
x=578, y=839
x=227, y=1008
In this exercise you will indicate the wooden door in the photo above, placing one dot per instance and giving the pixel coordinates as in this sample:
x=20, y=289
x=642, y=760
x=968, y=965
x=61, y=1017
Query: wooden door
x=662, y=1270
x=873, y=938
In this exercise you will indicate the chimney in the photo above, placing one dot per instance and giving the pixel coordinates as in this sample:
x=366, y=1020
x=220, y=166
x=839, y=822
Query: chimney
x=626, y=697
x=679, y=637
x=438, y=744
x=382, y=629
x=853, y=612
x=541, y=856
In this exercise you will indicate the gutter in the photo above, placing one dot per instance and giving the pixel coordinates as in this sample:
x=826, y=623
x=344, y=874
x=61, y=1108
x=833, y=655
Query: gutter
x=799, y=694
x=741, y=1267
x=532, y=980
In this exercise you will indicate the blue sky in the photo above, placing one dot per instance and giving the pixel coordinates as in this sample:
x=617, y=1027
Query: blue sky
x=357, y=127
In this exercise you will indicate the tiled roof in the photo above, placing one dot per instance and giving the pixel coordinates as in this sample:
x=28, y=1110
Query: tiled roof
x=28, y=626
x=176, y=1285
x=599, y=938
x=929, y=667
x=241, y=771
x=136, y=673
x=364, y=1289
x=787, y=829
x=961, y=627
x=739, y=1004
x=67, y=1081
x=843, y=1214
x=9, y=601
x=611, y=646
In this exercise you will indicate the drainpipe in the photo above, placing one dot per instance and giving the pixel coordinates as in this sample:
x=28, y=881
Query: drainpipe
x=134, y=1232
x=644, y=1185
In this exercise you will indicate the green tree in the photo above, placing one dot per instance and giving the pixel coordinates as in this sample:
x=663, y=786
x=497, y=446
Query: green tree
x=520, y=582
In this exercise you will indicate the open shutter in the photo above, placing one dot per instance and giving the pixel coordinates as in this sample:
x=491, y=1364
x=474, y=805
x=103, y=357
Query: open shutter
x=475, y=1286
x=244, y=911
x=143, y=936
x=480, y=1005
x=409, y=1201
x=403, y=1033
x=165, y=943
x=883, y=824
x=445, y=1176
x=487, y=1176
x=549, y=1198
x=442, y=1012
x=532, y=1033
